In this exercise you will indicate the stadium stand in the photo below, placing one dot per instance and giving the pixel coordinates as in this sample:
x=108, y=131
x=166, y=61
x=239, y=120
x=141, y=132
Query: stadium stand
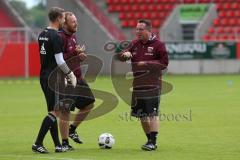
x=112, y=28
x=224, y=27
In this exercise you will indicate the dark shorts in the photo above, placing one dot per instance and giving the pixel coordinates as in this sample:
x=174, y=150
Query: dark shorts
x=79, y=97
x=49, y=94
x=145, y=107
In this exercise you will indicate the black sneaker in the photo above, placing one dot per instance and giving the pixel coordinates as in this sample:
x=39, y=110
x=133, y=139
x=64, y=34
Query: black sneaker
x=59, y=149
x=74, y=136
x=39, y=149
x=68, y=147
x=149, y=146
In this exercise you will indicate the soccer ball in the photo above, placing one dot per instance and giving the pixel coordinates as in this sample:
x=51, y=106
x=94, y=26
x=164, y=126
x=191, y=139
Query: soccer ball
x=106, y=141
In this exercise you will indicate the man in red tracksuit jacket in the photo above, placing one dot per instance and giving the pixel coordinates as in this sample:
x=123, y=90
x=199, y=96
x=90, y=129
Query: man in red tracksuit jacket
x=81, y=95
x=148, y=58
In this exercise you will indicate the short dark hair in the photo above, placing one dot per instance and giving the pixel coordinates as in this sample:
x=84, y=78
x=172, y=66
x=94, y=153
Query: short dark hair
x=54, y=13
x=147, y=22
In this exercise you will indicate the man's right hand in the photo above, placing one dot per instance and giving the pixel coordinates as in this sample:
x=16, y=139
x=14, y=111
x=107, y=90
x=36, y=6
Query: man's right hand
x=72, y=79
x=80, y=49
x=126, y=55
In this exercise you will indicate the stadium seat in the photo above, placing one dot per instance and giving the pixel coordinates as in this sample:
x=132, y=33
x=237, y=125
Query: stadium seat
x=138, y=15
x=232, y=21
x=124, y=23
x=143, y=7
x=216, y=22
x=230, y=13
x=156, y=23
x=237, y=13
x=132, y=23
x=211, y=30
x=222, y=14
x=135, y=7
x=235, y=5
x=206, y=37
x=126, y=7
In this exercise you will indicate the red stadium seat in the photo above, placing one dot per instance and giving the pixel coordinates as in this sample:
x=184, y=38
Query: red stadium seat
x=143, y=7
x=235, y=5
x=152, y=7
x=124, y=23
x=206, y=37
x=204, y=1
x=230, y=13
x=124, y=1
x=224, y=22
x=237, y=13
x=229, y=30
x=130, y=15
x=149, y=1
x=147, y=15
x=222, y=14
x=132, y=23
x=232, y=21
x=189, y=1
x=211, y=30
x=122, y=15
x=138, y=15
x=154, y=15
x=155, y=10
x=156, y=23
x=238, y=30
x=220, y=30
x=109, y=1
x=237, y=21
x=120, y=8
x=139, y=1
x=227, y=6
x=131, y=1
x=216, y=22
x=135, y=7
x=230, y=37
x=159, y=7
x=126, y=7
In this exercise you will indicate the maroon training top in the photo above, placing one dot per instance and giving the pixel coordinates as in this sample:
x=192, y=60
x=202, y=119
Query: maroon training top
x=70, y=55
x=154, y=53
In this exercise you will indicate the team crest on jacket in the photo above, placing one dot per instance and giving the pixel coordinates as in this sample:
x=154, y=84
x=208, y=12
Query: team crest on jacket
x=150, y=49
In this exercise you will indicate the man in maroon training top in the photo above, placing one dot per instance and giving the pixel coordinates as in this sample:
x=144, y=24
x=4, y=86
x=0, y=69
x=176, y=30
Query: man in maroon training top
x=81, y=95
x=148, y=58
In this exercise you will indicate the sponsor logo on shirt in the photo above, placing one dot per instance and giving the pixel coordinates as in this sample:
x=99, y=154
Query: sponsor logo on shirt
x=43, y=38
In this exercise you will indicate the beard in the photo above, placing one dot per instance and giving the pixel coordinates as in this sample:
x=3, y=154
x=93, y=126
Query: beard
x=72, y=29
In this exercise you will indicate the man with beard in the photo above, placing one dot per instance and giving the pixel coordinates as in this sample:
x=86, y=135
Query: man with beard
x=81, y=96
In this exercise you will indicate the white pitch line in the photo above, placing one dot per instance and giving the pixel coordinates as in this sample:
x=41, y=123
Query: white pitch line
x=38, y=157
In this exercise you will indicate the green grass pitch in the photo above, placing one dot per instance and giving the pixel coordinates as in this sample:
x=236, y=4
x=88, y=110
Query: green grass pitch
x=208, y=129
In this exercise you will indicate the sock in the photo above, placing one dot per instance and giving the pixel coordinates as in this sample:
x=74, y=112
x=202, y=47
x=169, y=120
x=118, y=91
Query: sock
x=65, y=142
x=54, y=130
x=153, y=137
x=148, y=136
x=72, y=128
x=46, y=124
